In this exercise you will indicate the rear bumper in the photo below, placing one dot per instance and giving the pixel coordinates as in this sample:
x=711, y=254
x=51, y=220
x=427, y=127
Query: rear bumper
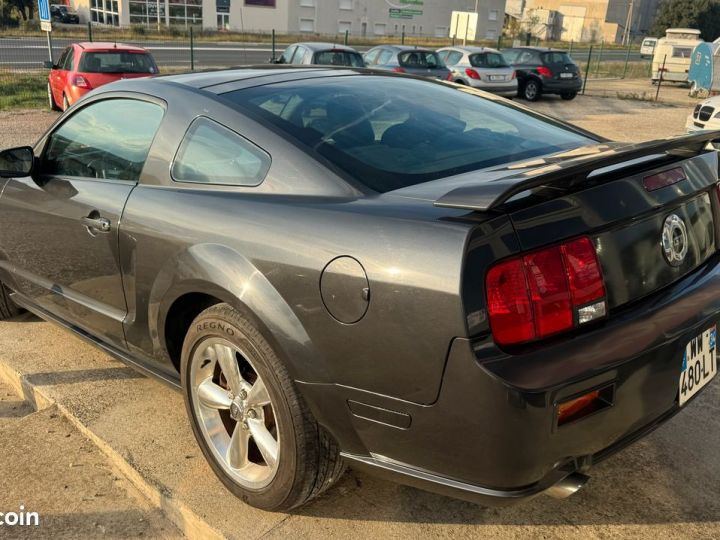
x=491, y=436
x=557, y=86
x=506, y=89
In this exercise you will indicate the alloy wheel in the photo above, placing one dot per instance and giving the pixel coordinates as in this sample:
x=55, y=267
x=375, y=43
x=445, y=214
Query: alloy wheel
x=234, y=412
x=531, y=91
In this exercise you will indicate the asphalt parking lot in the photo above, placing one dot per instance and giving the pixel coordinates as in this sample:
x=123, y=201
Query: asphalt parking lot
x=665, y=486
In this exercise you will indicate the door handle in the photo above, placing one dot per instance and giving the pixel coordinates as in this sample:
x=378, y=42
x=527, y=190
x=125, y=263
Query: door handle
x=96, y=224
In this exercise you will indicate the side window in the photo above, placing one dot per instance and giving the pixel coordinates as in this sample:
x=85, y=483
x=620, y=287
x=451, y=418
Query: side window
x=524, y=58
x=443, y=55
x=69, y=60
x=384, y=57
x=63, y=57
x=298, y=56
x=108, y=139
x=287, y=55
x=213, y=154
x=453, y=58
x=371, y=57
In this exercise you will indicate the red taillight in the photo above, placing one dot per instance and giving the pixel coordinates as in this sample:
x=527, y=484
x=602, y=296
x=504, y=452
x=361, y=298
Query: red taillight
x=449, y=76
x=472, y=73
x=80, y=82
x=545, y=292
x=509, y=302
x=398, y=70
x=544, y=71
x=549, y=291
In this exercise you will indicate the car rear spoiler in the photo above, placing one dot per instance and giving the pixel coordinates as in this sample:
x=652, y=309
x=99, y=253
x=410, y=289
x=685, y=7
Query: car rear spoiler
x=490, y=195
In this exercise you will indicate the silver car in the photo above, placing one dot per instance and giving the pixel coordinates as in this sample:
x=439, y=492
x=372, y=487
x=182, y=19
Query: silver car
x=480, y=67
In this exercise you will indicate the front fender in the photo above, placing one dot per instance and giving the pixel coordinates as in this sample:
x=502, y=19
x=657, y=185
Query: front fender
x=219, y=271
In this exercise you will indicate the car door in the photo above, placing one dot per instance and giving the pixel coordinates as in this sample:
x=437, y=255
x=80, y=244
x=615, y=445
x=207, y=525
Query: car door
x=57, y=76
x=59, y=228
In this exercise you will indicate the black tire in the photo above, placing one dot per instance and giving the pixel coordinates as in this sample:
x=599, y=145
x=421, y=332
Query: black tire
x=568, y=96
x=532, y=90
x=51, y=100
x=8, y=308
x=309, y=461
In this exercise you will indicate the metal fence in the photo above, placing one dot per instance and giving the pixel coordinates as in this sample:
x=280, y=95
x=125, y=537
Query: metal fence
x=23, y=78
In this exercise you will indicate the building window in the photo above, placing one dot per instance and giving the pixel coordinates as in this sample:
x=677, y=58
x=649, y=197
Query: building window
x=263, y=3
x=307, y=3
x=441, y=31
x=413, y=29
x=345, y=4
x=307, y=25
x=396, y=28
x=344, y=26
x=223, y=21
x=180, y=12
x=105, y=12
x=491, y=34
x=493, y=16
x=379, y=29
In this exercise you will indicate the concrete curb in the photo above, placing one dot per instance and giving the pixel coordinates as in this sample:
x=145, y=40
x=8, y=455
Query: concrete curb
x=187, y=521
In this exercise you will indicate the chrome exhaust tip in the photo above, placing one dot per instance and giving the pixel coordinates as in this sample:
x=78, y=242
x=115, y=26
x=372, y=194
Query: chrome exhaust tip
x=567, y=486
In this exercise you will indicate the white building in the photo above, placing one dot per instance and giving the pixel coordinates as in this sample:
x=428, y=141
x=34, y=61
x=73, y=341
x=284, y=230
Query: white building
x=358, y=17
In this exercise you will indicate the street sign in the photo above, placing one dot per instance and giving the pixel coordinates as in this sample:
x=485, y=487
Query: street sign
x=44, y=12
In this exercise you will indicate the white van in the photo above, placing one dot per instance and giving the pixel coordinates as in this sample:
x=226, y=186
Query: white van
x=675, y=49
x=647, y=49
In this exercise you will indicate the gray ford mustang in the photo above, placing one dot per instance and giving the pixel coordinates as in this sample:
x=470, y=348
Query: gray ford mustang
x=344, y=266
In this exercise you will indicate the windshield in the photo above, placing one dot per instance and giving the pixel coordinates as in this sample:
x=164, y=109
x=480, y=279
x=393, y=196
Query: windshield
x=117, y=62
x=388, y=133
x=488, y=60
x=420, y=59
x=339, y=58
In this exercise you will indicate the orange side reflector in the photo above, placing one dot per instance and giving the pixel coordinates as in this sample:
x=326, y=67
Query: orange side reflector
x=569, y=409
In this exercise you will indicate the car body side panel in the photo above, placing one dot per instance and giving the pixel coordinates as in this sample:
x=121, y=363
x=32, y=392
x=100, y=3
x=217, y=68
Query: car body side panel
x=178, y=241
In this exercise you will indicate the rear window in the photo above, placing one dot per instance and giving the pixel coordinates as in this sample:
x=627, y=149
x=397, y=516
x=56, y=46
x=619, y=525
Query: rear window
x=388, y=133
x=117, y=62
x=488, y=60
x=338, y=58
x=420, y=59
x=556, y=58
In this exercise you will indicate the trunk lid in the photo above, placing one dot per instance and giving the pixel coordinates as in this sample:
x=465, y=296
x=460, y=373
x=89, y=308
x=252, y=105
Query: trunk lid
x=651, y=210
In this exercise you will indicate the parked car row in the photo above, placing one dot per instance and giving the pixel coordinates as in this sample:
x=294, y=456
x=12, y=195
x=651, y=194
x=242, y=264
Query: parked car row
x=528, y=72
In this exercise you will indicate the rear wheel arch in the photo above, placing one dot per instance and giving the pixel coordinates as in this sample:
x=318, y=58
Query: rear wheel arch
x=222, y=275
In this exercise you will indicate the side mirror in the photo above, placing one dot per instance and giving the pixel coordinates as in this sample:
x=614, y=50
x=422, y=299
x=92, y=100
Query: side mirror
x=47, y=64
x=16, y=162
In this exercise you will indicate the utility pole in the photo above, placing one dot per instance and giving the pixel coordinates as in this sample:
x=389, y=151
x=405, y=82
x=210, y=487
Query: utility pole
x=628, y=24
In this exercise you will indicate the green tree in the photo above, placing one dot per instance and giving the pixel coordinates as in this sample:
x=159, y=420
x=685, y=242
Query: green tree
x=701, y=14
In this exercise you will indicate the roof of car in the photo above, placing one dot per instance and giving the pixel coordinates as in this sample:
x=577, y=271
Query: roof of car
x=401, y=48
x=324, y=46
x=254, y=75
x=108, y=45
x=470, y=50
x=538, y=49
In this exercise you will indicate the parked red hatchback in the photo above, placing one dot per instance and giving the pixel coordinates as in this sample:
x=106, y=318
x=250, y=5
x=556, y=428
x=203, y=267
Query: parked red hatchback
x=84, y=66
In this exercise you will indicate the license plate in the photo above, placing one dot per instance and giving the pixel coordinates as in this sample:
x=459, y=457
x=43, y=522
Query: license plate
x=497, y=77
x=699, y=364
x=566, y=75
